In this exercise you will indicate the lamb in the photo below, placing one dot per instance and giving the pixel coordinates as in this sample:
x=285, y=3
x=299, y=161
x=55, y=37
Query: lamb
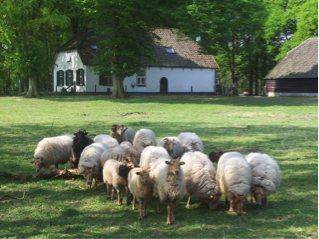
x=200, y=179
x=115, y=174
x=107, y=139
x=168, y=184
x=173, y=146
x=140, y=186
x=191, y=142
x=90, y=162
x=80, y=141
x=234, y=179
x=121, y=134
x=151, y=154
x=136, y=152
x=126, y=144
x=144, y=138
x=266, y=177
x=52, y=151
x=112, y=153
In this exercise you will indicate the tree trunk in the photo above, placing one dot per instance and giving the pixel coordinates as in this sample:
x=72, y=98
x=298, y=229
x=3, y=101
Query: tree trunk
x=117, y=80
x=256, y=74
x=33, y=88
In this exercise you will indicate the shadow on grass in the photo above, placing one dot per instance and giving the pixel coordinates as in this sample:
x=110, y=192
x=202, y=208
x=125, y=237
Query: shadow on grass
x=191, y=99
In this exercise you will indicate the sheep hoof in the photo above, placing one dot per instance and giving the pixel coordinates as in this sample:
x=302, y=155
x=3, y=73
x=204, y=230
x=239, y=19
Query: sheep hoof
x=187, y=206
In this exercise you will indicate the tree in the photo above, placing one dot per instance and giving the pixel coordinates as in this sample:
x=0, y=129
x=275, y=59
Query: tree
x=124, y=32
x=26, y=29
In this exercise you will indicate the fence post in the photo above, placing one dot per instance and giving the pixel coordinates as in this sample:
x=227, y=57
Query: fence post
x=191, y=89
x=56, y=89
x=74, y=87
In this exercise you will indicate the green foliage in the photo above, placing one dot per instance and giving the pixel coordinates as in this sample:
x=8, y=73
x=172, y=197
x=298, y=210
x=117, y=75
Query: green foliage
x=284, y=128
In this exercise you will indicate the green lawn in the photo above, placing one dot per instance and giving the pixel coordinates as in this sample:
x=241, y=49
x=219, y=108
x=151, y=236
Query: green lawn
x=284, y=128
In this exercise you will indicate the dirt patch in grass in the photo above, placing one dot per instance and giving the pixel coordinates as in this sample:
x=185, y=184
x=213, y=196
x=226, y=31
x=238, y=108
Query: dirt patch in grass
x=251, y=114
x=128, y=115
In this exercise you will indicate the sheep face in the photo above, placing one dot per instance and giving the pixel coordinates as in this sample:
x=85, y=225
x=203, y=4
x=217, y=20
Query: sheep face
x=144, y=176
x=169, y=146
x=260, y=196
x=213, y=201
x=174, y=166
x=214, y=156
x=89, y=174
x=80, y=136
x=117, y=129
x=238, y=205
x=38, y=163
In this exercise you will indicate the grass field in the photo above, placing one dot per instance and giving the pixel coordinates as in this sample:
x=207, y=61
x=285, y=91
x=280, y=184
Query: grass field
x=284, y=128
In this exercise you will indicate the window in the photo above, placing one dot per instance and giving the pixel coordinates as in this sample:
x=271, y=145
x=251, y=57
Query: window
x=106, y=80
x=69, y=77
x=60, y=78
x=141, y=78
x=169, y=50
x=80, y=77
x=94, y=47
x=68, y=57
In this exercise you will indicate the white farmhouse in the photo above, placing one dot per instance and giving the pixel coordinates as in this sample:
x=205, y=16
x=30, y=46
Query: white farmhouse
x=179, y=68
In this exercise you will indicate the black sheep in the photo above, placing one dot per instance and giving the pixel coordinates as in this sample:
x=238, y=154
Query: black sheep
x=80, y=141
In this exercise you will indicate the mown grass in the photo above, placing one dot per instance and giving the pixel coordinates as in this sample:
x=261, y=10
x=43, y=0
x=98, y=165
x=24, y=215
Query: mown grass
x=284, y=128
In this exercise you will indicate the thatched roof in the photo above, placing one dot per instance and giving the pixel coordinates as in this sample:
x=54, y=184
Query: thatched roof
x=300, y=62
x=187, y=52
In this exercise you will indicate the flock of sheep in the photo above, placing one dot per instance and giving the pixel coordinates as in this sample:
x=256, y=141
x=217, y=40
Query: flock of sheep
x=135, y=163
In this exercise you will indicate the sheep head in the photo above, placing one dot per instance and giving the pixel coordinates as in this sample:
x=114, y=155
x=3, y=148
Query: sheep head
x=89, y=174
x=214, y=156
x=169, y=146
x=117, y=129
x=260, y=195
x=238, y=204
x=213, y=201
x=38, y=163
x=128, y=164
x=144, y=176
x=80, y=136
x=174, y=166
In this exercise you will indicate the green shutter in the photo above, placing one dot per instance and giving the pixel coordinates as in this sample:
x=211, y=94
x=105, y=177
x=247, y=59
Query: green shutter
x=62, y=79
x=101, y=80
x=78, y=77
x=83, y=82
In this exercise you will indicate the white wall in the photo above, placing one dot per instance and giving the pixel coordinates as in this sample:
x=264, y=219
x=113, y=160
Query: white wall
x=180, y=80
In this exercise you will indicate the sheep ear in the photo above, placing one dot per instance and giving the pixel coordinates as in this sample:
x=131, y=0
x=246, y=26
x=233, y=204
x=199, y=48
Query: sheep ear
x=168, y=162
x=42, y=159
x=181, y=163
x=32, y=161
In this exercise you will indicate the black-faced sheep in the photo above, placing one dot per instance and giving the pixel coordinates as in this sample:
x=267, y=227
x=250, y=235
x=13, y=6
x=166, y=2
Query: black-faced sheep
x=112, y=171
x=200, y=179
x=173, y=146
x=90, y=162
x=140, y=185
x=144, y=138
x=234, y=179
x=151, y=154
x=168, y=184
x=191, y=142
x=52, y=151
x=107, y=139
x=121, y=134
x=266, y=177
x=80, y=141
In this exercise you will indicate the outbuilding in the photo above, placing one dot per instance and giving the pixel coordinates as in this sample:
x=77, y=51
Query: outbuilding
x=296, y=74
x=180, y=67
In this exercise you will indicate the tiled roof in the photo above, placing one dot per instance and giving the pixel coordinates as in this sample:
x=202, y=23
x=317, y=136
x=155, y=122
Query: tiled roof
x=300, y=62
x=186, y=55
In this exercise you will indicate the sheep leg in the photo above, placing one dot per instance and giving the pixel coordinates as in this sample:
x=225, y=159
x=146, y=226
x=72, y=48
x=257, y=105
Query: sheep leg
x=112, y=195
x=95, y=182
x=141, y=208
x=264, y=202
x=168, y=222
x=172, y=211
x=232, y=207
x=158, y=206
x=189, y=201
x=227, y=201
x=56, y=166
x=108, y=188
x=128, y=201
x=133, y=207
x=251, y=197
x=144, y=208
x=119, y=198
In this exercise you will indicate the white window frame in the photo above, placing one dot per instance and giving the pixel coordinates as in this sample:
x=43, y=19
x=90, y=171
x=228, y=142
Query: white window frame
x=108, y=81
x=141, y=78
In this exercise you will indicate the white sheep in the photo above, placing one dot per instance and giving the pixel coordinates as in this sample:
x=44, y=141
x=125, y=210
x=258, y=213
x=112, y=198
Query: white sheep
x=151, y=154
x=140, y=185
x=112, y=171
x=173, y=146
x=200, y=179
x=121, y=134
x=126, y=144
x=107, y=139
x=52, y=151
x=266, y=177
x=144, y=138
x=234, y=179
x=112, y=153
x=168, y=184
x=191, y=142
x=90, y=162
